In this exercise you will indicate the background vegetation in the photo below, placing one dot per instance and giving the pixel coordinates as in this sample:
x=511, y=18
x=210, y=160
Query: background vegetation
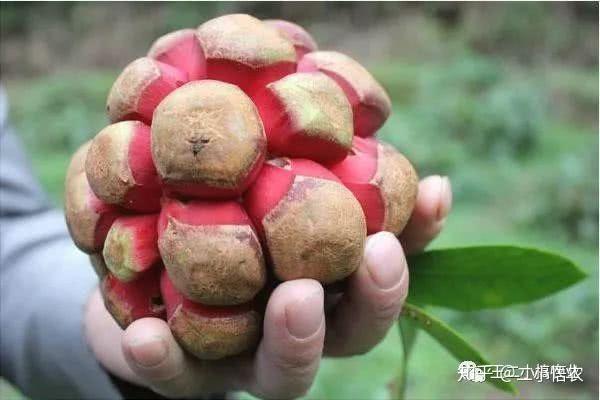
x=503, y=98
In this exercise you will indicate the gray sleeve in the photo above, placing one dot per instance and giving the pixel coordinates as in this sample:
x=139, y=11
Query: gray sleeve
x=44, y=285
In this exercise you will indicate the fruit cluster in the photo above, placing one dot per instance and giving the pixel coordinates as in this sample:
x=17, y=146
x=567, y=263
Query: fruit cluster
x=238, y=155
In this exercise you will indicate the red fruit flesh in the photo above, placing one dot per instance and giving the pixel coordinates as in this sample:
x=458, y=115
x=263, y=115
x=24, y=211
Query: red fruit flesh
x=202, y=213
x=145, y=195
x=383, y=182
x=210, y=333
x=306, y=115
x=268, y=189
x=357, y=172
x=182, y=50
x=248, y=79
x=242, y=50
x=129, y=301
x=107, y=214
x=274, y=182
x=170, y=79
x=370, y=103
x=131, y=246
x=311, y=224
x=140, y=87
x=174, y=299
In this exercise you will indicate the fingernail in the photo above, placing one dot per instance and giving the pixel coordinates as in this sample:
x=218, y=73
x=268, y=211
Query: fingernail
x=304, y=317
x=445, y=193
x=385, y=271
x=148, y=352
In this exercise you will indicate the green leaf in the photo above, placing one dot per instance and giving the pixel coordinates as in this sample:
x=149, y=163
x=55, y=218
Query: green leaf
x=452, y=341
x=475, y=278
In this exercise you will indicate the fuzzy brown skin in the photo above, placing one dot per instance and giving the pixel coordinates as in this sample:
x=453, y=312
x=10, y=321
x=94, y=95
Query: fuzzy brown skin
x=207, y=132
x=302, y=40
x=226, y=269
x=399, y=183
x=317, y=106
x=316, y=231
x=99, y=265
x=244, y=39
x=81, y=218
x=124, y=94
x=77, y=164
x=107, y=166
x=213, y=337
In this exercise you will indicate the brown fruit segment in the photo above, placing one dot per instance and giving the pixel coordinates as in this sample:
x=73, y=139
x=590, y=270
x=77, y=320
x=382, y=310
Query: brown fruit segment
x=382, y=180
x=304, y=232
x=371, y=104
x=312, y=225
x=211, y=252
x=77, y=164
x=88, y=218
x=306, y=115
x=242, y=50
x=399, y=183
x=99, y=265
x=207, y=140
x=210, y=333
x=120, y=169
x=140, y=87
x=300, y=38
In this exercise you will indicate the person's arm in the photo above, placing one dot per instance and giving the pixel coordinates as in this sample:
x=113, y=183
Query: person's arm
x=45, y=283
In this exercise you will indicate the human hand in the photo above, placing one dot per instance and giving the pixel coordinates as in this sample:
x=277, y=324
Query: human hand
x=296, y=332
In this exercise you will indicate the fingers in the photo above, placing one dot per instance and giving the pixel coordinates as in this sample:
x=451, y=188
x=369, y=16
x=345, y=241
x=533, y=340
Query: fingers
x=294, y=328
x=434, y=202
x=373, y=299
x=104, y=338
x=151, y=350
x=153, y=354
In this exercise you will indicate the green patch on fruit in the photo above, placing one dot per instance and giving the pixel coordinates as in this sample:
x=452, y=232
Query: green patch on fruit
x=119, y=254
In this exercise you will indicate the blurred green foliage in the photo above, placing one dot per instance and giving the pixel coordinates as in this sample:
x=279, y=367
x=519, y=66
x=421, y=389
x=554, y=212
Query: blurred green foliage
x=504, y=100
